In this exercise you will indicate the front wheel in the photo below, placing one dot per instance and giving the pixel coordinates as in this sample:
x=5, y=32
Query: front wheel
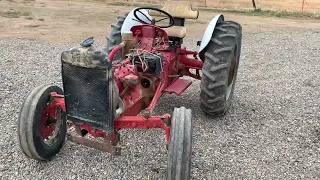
x=180, y=152
x=220, y=68
x=41, y=124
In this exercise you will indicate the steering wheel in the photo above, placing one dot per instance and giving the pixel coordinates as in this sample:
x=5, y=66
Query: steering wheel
x=153, y=21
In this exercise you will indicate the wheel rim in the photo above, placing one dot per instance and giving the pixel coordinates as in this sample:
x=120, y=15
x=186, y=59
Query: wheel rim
x=50, y=123
x=232, y=72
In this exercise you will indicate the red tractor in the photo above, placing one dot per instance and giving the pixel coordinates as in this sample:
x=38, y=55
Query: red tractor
x=105, y=91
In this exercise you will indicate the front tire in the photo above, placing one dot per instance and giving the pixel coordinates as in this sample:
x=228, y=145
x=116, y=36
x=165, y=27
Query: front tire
x=180, y=152
x=221, y=62
x=40, y=135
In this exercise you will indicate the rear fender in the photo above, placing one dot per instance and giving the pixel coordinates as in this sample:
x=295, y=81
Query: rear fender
x=209, y=31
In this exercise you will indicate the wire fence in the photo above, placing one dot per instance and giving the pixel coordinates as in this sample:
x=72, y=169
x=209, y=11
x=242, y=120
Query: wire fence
x=303, y=3
x=284, y=5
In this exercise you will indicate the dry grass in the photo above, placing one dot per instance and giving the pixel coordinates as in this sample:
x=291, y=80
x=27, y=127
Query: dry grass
x=261, y=12
x=14, y=14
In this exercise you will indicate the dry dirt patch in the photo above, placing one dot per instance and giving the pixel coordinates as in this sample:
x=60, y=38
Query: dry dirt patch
x=73, y=21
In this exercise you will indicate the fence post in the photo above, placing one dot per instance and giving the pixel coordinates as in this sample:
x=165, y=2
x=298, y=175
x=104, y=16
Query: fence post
x=254, y=4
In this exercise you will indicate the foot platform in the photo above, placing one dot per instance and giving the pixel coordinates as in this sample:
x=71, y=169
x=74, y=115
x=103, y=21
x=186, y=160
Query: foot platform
x=178, y=86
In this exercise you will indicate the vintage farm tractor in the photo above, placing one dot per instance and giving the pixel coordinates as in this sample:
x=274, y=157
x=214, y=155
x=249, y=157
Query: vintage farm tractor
x=105, y=91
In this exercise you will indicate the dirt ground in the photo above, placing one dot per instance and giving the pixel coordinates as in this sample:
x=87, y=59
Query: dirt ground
x=311, y=6
x=73, y=21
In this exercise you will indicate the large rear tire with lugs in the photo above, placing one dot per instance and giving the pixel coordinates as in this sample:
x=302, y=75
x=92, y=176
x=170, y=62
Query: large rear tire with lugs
x=114, y=38
x=221, y=62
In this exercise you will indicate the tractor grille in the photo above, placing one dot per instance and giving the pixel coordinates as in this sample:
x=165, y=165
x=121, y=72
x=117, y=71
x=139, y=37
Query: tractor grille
x=88, y=95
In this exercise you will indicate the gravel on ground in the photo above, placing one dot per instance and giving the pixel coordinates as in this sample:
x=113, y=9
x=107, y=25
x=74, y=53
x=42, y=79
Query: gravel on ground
x=271, y=131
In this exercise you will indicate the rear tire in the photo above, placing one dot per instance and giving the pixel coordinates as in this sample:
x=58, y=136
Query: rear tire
x=32, y=133
x=114, y=38
x=221, y=62
x=180, y=152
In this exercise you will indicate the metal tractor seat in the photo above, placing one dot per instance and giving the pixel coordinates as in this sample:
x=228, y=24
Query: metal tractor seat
x=180, y=10
x=176, y=31
x=177, y=9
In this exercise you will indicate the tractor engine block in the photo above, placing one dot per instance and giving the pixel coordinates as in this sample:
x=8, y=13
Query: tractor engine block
x=147, y=62
x=136, y=90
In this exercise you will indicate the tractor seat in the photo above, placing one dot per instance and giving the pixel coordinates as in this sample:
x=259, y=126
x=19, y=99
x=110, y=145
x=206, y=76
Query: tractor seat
x=177, y=9
x=176, y=31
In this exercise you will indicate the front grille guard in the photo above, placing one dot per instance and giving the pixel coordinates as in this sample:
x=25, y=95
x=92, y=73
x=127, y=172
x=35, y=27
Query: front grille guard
x=89, y=94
